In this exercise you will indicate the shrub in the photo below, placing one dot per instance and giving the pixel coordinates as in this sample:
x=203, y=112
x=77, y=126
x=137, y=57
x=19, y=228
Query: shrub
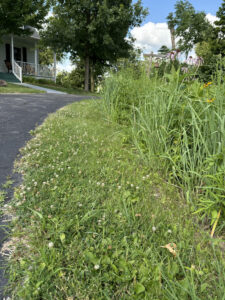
x=34, y=80
x=74, y=79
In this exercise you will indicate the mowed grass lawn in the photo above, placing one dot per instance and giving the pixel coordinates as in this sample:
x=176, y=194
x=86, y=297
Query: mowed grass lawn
x=93, y=221
x=15, y=88
x=69, y=90
x=49, y=84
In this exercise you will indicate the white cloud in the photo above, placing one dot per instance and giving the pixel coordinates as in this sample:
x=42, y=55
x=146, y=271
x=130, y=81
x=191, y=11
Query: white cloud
x=211, y=18
x=50, y=14
x=151, y=36
x=65, y=65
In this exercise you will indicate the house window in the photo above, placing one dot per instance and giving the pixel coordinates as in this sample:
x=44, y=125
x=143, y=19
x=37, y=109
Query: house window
x=7, y=52
x=24, y=54
x=17, y=54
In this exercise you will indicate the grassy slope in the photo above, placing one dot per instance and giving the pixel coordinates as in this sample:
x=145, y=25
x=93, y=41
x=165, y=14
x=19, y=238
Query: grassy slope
x=14, y=88
x=66, y=90
x=92, y=217
x=51, y=85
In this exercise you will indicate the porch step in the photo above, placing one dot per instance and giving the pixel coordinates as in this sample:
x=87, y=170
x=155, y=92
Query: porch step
x=9, y=77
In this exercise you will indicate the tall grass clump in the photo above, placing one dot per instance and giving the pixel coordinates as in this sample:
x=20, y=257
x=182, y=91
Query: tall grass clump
x=178, y=124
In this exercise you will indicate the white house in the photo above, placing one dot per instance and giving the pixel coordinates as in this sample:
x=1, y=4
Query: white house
x=19, y=56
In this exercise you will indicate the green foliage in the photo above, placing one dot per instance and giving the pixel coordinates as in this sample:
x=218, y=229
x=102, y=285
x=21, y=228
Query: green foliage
x=190, y=26
x=34, y=80
x=46, y=55
x=164, y=50
x=71, y=79
x=176, y=124
x=15, y=88
x=69, y=87
x=208, y=70
x=203, y=50
x=217, y=41
x=16, y=14
x=120, y=95
x=92, y=217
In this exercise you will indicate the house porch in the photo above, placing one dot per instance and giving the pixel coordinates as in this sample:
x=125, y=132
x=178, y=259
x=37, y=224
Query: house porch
x=19, y=55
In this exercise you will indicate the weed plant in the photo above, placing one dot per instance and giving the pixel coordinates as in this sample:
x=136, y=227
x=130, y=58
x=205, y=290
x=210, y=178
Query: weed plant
x=91, y=221
x=178, y=125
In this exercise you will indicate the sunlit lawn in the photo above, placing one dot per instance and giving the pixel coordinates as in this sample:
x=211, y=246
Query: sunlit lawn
x=15, y=88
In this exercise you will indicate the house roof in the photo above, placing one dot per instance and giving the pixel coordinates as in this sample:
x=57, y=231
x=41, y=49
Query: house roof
x=35, y=33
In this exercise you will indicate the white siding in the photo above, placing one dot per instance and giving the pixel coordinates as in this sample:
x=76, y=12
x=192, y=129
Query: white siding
x=30, y=55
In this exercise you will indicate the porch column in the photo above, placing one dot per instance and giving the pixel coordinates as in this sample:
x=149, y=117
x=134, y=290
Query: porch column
x=36, y=60
x=54, y=70
x=12, y=52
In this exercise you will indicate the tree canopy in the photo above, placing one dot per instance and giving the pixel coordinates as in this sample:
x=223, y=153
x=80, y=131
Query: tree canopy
x=191, y=27
x=94, y=31
x=218, y=38
x=16, y=14
x=164, y=50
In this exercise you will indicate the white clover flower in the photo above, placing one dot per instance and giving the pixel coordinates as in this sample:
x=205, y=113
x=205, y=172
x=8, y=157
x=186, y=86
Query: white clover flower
x=153, y=228
x=119, y=187
x=98, y=183
x=50, y=245
x=103, y=184
x=131, y=185
x=137, y=187
x=96, y=267
x=169, y=231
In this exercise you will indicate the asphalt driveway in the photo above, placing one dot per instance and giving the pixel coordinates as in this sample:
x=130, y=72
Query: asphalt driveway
x=18, y=115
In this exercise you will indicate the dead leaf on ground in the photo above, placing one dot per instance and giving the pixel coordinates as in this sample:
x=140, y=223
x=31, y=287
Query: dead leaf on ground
x=172, y=248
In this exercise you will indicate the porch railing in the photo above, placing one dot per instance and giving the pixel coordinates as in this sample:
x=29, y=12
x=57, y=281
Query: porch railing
x=17, y=71
x=31, y=69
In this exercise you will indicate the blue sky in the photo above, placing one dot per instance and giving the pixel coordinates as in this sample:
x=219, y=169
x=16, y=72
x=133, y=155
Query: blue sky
x=159, y=9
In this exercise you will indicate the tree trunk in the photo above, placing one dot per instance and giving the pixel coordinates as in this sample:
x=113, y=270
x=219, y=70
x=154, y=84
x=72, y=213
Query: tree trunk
x=92, y=79
x=87, y=71
x=172, y=33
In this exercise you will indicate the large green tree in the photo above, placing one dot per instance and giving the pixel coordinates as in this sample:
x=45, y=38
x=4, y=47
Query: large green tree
x=15, y=14
x=218, y=39
x=96, y=31
x=190, y=27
